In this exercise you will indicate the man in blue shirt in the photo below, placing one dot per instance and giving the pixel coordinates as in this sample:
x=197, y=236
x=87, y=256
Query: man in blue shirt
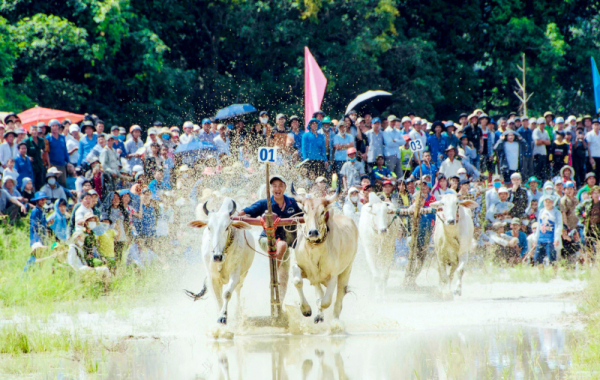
x=314, y=150
x=59, y=155
x=437, y=143
x=341, y=143
x=375, y=137
x=283, y=207
x=23, y=164
x=527, y=135
x=118, y=145
x=392, y=139
x=157, y=186
x=329, y=134
x=87, y=142
x=426, y=167
x=38, y=226
x=207, y=138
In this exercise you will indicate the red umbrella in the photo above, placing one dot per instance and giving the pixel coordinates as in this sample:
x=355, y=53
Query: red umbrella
x=36, y=114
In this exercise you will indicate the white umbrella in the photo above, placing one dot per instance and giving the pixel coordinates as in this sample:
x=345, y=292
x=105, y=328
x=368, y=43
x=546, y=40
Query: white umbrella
x=378, y=99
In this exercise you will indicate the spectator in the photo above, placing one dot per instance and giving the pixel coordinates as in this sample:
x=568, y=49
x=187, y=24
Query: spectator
x=376, y=142
x=542, y=143
x=221, y=141
x=533, y=193
x=27, y=190
x=352, y=170
x=588, y=213
x=559, y=153
x=515, y=232
x=118, y=145
x=167, y=164
x=567, y=205
x=342, y=142
x=8, y=149
x=109, y=160
x=381, y=173
x=475, y=135
x=38, y=225
x=518, y=196
x=593, y=140
x=157, y=186
x=52, y=189
x=73, y=144
x=206, y=138
x=86, y=142
x=549, y=231
x=58, y=220
x=426, y=166
x=510, y=150
x=294, y=138
x=59, y=156
x=590, y=181
x=133, y=145
x=437, y=143
x=450, y=165
x=329, y=134
x=314, y=149
x=579, y=151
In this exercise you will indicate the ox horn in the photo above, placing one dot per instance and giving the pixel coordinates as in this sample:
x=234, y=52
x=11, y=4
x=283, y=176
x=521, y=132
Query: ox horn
x=205, y=208
x=333, y=197
x=293, y=190
x=233, y=209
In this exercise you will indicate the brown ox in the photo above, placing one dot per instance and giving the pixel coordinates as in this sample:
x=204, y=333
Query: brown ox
x=324, y=253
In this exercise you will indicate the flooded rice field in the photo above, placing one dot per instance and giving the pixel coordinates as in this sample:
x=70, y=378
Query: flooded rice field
x=495, y=330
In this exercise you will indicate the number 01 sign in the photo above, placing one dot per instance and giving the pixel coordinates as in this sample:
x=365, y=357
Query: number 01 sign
x=267, y=154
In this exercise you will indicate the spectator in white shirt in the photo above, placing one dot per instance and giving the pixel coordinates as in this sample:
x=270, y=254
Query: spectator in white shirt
x=222, y=141
x=188, y=133
x=417, y=132
x=8, y=149
x=541, y=140
x=593, y=140
x=133, y=145
x=73, y=144
x=450, y=165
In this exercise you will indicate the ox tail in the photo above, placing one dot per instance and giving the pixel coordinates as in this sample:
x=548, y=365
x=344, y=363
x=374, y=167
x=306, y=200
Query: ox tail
x=197, y=296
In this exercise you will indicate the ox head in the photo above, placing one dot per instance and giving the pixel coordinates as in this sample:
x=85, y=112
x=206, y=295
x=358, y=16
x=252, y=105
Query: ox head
x=448, y=207
x=220, y=227
x=316, y=214
x=383, y=213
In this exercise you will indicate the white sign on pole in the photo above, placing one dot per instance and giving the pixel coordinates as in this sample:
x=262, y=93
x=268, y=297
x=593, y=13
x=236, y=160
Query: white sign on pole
x=416, y=145
x=266, y=154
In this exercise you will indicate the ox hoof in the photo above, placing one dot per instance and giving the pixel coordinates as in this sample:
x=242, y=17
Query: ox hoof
x=319, y=318
x=222, y=320
x=306, y=311
x=458, y=292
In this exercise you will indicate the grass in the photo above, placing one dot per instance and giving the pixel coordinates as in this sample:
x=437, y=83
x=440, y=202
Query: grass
x=52, y=286
x=586, y=350
x=24, y=350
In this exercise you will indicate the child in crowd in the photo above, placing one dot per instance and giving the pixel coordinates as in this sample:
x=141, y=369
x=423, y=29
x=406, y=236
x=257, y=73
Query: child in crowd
x=549, y=231
x=58, y=220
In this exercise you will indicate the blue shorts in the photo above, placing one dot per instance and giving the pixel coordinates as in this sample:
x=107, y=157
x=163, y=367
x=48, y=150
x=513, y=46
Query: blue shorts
x=544, y=250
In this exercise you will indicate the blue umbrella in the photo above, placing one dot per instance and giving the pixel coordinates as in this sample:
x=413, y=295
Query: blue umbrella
x=234, y=110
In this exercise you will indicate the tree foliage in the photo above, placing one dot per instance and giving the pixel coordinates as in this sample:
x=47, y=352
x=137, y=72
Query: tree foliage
x=132, y=61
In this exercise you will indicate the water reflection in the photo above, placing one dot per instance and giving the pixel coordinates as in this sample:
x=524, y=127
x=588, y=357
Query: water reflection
x=466, y=354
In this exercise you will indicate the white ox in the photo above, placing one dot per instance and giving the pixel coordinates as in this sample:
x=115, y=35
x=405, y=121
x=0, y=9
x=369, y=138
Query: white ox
x=379, y=226
x=452, y=238
x=228, y=252
x=324, y=254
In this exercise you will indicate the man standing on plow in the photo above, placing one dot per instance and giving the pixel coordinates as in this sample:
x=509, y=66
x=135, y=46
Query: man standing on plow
x=283, y=207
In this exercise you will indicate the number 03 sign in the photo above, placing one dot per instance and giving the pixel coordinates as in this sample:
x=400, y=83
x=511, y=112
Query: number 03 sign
x=267, y=154
x=416, y=145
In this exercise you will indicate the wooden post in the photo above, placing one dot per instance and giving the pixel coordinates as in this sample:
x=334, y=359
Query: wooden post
x=410, y=277
x=276, y=311
x=522, y=94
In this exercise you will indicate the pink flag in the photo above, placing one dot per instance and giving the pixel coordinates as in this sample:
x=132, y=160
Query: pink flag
x=314, y=86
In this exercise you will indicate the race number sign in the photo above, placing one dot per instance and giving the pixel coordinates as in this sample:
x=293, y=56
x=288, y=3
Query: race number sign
x=416, y=145
x=267, y=155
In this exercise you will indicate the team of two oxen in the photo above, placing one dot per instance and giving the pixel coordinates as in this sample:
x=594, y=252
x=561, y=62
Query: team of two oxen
x=326, y=247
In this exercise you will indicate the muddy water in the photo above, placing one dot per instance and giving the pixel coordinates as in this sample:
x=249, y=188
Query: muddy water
x=494, y=330
x=469, y=353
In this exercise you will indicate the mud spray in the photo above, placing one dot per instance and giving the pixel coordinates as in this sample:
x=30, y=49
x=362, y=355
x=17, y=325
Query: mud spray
x=495, y=329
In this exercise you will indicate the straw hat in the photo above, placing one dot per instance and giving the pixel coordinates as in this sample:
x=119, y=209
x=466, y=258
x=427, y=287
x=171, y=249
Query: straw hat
x=87, y=217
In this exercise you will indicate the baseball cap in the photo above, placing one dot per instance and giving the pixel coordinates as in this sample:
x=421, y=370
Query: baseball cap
x=205, y=121
x=276, y=177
